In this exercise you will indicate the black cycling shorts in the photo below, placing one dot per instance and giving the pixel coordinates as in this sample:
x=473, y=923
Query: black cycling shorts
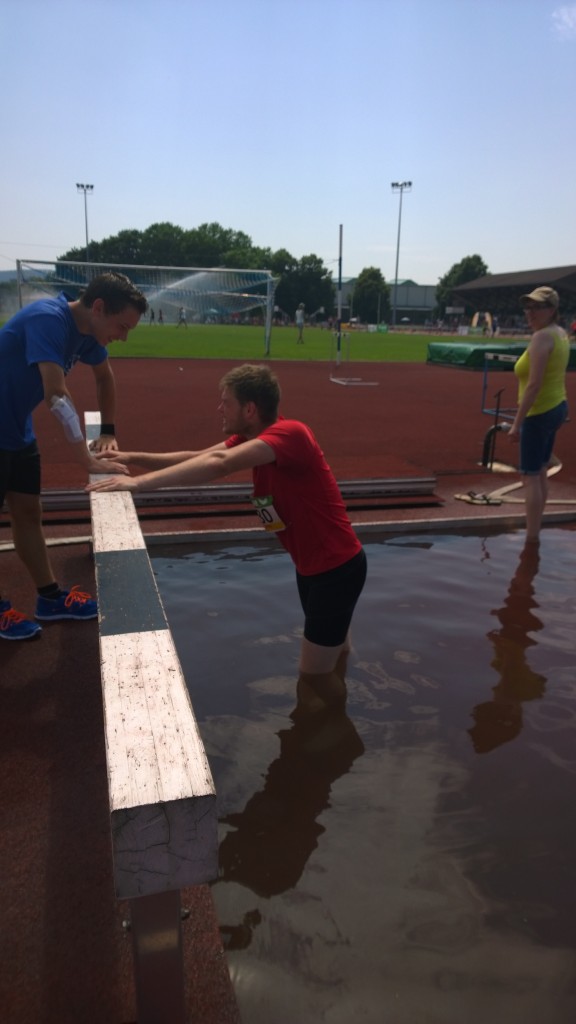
x=20, y=471
x=329, y=599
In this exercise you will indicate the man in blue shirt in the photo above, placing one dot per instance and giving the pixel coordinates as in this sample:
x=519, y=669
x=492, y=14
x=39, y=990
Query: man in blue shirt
x=38, y=348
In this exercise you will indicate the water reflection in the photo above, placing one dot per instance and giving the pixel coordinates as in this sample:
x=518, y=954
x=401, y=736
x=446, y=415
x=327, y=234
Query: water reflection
x=499, y=720
x=278, y=828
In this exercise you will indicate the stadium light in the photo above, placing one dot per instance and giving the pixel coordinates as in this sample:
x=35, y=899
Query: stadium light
x=85, y=189
x=401, y=187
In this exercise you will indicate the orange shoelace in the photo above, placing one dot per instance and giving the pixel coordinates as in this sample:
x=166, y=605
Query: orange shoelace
x=76, y=596
x=10, y=618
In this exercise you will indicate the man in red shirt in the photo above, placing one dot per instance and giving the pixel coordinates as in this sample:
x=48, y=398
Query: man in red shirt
x=297, y=498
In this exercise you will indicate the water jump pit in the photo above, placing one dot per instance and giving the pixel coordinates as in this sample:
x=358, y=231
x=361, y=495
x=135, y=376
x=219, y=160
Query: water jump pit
x=412, y=858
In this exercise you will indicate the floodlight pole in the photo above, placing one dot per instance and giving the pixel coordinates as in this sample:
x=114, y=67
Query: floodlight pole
x=339, y=305
x=85, y=189
x=401, y=187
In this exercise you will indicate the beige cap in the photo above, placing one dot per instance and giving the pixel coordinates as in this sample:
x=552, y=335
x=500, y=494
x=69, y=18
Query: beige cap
x=544, y=295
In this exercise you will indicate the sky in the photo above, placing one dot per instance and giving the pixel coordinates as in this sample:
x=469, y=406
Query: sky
x=288, y=118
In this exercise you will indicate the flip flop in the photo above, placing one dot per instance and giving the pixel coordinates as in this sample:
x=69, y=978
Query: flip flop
x=475, y=498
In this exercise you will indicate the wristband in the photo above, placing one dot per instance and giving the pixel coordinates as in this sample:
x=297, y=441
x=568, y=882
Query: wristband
x=108, y=428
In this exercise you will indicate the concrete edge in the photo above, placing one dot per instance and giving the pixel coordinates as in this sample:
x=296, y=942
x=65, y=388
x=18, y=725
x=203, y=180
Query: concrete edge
x=435, y=525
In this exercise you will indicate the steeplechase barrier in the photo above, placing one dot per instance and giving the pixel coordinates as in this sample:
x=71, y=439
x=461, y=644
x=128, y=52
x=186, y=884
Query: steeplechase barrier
x=162, y=798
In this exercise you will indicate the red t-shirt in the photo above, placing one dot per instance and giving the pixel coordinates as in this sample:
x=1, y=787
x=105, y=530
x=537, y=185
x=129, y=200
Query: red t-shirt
x=297, y=497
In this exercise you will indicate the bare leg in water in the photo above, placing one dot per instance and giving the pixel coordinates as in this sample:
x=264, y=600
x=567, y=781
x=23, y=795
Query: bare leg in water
x=321, y=683
x=536, y=494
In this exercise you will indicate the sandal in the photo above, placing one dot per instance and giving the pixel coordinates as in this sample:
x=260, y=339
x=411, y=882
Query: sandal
x=476, y=498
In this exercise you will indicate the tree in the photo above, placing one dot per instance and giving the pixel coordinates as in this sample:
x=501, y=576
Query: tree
x=253, y=258
x=468, y=269
x=371, y=296
x=162, y=245
x=125, y=247
x=210, y=245
x=306, y=280
x=282, y=262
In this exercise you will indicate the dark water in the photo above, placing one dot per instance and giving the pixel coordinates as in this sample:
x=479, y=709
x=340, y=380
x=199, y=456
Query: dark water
x=413, y=861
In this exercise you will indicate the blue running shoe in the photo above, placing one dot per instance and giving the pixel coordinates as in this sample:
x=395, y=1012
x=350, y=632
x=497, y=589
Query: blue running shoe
x=72, y=604
x=14, y=625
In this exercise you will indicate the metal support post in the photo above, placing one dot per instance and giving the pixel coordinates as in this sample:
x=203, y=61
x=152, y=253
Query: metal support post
x=156, y=927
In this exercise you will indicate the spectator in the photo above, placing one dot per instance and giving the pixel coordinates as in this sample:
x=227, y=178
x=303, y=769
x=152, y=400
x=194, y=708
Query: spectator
x=542, y=405
x=299, y=320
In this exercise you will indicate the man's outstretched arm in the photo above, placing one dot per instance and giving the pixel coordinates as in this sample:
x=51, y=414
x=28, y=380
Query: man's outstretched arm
x=202, y=469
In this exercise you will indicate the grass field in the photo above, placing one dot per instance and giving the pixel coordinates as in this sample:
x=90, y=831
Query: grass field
x=223, y=341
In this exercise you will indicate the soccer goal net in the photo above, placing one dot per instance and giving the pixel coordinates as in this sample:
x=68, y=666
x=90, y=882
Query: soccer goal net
x=203, y=294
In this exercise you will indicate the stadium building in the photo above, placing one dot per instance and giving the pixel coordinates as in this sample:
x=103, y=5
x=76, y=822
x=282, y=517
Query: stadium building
x=499, y=294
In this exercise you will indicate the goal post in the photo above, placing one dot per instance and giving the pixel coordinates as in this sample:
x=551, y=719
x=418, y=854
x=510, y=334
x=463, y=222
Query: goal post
x=205, y=293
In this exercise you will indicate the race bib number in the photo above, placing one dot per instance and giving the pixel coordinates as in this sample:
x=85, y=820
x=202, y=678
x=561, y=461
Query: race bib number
x=267, y=514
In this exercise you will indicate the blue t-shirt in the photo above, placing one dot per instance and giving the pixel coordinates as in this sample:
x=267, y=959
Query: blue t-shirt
x=43, y=332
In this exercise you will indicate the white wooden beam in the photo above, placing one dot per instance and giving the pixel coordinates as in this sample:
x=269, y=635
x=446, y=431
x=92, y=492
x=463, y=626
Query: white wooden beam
x=162, y=796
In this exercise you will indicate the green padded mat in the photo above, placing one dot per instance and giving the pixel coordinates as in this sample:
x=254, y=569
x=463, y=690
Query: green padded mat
x=470, y=356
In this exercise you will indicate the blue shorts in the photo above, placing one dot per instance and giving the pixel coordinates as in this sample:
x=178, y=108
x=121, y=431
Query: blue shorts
x=537, y=437
x=329, y=599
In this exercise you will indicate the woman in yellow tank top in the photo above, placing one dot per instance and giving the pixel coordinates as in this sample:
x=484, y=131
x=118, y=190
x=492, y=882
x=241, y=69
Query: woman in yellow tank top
x=542, y=406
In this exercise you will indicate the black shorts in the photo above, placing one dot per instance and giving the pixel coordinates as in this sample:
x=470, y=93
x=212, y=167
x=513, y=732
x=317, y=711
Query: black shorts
x=329, y=599
x=20, y=471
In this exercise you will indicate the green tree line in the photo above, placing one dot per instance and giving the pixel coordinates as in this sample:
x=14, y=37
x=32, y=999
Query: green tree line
x=305, y=280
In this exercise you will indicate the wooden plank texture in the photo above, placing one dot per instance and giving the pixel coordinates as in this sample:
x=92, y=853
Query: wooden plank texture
x=162, y=796
x=155, y=753
x=115, y=525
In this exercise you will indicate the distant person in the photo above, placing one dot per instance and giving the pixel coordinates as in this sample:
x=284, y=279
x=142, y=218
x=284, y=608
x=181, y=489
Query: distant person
x=38, y=347
x=542, y=405
x=295, y=497
x=151, y=316
x=160, y=317
x=182, y=317
x=299, y=321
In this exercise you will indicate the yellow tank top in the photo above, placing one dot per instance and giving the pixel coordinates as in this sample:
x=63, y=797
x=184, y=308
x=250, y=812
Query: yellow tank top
x=553, y=389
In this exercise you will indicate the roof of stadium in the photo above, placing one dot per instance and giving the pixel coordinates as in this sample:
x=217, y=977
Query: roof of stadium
x=563, y=279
